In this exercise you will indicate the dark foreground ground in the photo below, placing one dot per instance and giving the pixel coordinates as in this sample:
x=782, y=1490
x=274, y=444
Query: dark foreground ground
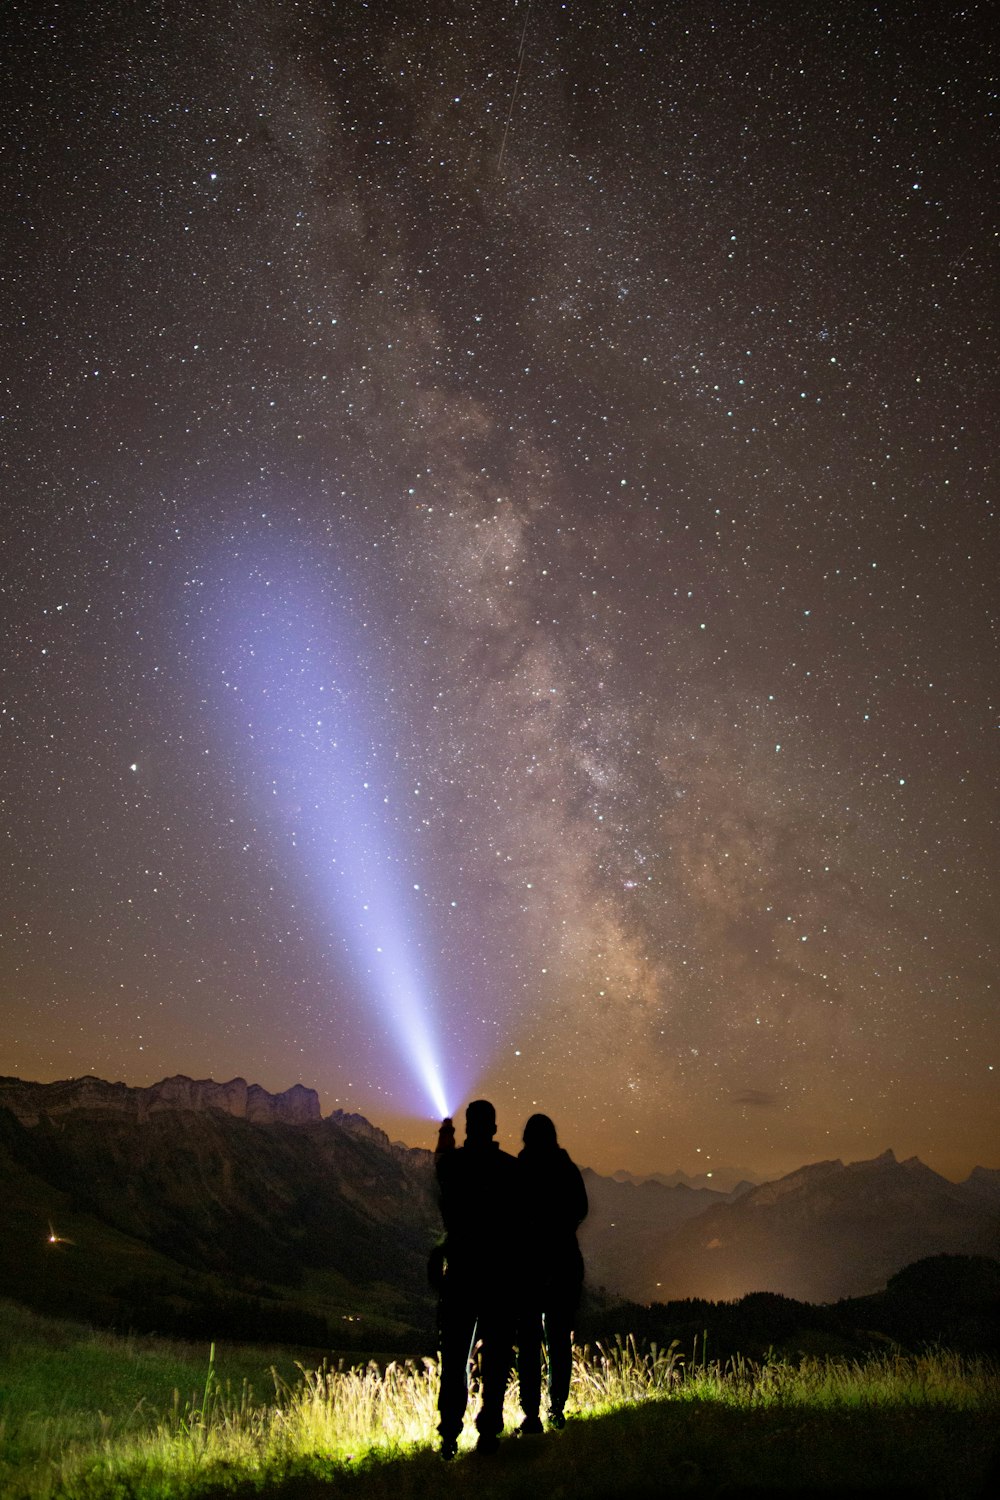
x=698, y=1450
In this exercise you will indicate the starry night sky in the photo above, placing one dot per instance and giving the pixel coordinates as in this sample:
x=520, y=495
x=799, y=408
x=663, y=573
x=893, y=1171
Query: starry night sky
x=509, y=487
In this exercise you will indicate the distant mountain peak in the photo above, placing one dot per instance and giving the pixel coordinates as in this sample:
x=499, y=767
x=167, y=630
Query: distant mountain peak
x=722, y=1179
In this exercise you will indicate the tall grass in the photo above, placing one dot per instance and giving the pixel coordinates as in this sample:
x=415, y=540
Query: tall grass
x=624, y=1373
x=325, y=1421
x=938, y=1379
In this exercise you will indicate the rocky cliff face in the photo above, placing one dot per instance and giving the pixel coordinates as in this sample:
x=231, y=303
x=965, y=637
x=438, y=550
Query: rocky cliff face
x=416, y=1157
x=32, y=1102
x=201, y=1217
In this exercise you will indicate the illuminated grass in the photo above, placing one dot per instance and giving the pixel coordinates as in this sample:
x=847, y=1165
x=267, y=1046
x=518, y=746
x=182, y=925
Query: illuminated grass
x=624, y=1374
x=321, y=1429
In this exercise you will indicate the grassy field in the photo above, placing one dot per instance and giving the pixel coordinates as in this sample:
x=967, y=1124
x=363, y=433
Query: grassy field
x=90, y=1416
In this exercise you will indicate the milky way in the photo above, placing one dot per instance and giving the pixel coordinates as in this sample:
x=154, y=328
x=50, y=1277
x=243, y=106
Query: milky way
x=610, y=416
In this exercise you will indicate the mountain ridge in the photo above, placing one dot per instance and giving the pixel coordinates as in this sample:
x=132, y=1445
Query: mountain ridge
x=228, y=1181
x=826, y=1231
x=29, y=1101
x=197, y=1221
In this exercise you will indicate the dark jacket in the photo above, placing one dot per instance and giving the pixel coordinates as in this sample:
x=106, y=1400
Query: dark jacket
x=555, y=1205
x=480, y=1188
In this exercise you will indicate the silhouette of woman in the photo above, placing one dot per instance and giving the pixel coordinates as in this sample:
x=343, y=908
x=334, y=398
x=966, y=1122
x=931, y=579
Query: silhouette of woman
x=555, y=1204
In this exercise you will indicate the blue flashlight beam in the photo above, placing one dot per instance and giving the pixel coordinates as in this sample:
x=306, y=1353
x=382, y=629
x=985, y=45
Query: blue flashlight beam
x=306, y=693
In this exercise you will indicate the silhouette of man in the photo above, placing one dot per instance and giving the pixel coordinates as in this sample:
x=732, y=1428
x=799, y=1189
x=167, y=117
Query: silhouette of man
x=555, y=1205
x=480, y=1191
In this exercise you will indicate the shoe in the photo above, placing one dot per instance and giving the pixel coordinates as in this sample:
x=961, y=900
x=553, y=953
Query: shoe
x=557, y=1420
x=531, y=1427
x=487, y=1442
x=448, y=1448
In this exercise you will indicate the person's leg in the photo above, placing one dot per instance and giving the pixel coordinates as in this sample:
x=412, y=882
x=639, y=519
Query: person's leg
x=458, y=1332
x=496, y=1327
x=559, y=1345
x=529, y=1366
